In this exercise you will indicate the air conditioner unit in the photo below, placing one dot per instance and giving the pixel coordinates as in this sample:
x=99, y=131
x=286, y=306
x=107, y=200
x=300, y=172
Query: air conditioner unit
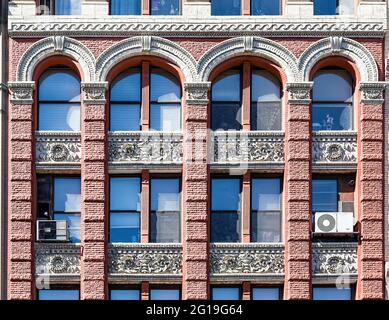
x=334, y=222
x=52, y=230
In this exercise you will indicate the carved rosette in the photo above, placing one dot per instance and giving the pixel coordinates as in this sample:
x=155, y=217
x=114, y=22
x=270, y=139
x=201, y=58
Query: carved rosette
x=22, y=92
x=57, y=259
x=58, y=147
x=94, y=92
x=197, y=92
x=247, y=147
x=299, y=92
x=230, y=259
x=334, y=258
x=145, y=259
x=145, y=147
x=372, y=92
x=334, y=148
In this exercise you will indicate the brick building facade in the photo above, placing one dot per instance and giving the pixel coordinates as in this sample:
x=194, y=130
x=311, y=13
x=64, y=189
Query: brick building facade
x=181, y=240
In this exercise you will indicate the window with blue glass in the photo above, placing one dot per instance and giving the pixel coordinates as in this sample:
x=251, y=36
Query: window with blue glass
x=225, y=7
x=58, y=294
x=324, y=195
x=332, y=101
x=165, y=294
x=225, y=209
x=266, y=293
x=126, y=7
x=165, y=210
x=265, y=7
x=165, y=7
x=59, y=100
x=124, y=294
x=333, y=7
x=124, y=208
x=266, y=210
x=226, y=293
x=332, y=293
x=60, y=7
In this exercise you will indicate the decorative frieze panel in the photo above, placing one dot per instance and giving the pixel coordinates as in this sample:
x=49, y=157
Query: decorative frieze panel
x=334, y=148
x=372, y=92
x=55, y=148
x=144, y=259
x=145, y=148
x=230, y=147
x=247, y=259
x=60, y=260
x=333, y=259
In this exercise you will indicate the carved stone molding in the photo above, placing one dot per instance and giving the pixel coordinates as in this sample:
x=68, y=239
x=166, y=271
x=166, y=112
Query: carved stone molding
x=299, y=92
x=372, y=92
x=141, y=259
x=22, y=92
x=197, y=92
x=334, y=258
x=247, y=147
x=57, y=259
x=334, y=147
x=55, y=148
x=94, y=92
x=247, y=259
x=145, y=148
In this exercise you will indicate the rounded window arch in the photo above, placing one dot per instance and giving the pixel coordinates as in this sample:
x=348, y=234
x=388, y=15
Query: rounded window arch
x=161, y=107
x=332, y=100
x=264, y=104
x=59, y=100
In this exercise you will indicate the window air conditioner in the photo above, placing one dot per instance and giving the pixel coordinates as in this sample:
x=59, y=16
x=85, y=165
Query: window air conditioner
x=52, y=230
x=334, y=222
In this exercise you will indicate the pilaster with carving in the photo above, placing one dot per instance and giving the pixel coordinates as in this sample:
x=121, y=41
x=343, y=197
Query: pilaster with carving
x=297, y=192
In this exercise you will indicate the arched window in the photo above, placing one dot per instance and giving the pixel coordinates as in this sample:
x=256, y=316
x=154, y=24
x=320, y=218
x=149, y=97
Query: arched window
x=332, y=100
x=264, y=105
x=59, y=100
x=164, y=101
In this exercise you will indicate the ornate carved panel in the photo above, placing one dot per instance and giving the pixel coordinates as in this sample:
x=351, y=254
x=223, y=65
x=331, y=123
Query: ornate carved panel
x=247, y=147
x=334, y=147
x=334, y=258
x=145, y=148
x=58, y=147
x=57, y=259
x=247, y=259
x=140, y=259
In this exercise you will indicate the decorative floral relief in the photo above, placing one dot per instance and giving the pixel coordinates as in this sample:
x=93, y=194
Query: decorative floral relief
x=58, y=148
x=334, y=149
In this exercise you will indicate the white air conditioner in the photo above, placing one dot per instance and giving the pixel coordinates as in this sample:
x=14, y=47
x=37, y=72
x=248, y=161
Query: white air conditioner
x=334, y=222
x=52, y=230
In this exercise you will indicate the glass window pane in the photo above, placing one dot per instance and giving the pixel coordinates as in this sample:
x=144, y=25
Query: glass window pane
x=165, y=7
x=266, y=294
x=67, y=194
x=59, y=117
x=225, y=194
x=324, y=195
x=124, y=227
x=227, y=87
x=165, y=117
x=226, y=116
x=67, y=7
x=165, y=195
x=126, y=7
x=164, y=87
x=333, y=116
x=225, y=7
x=266, y=194
x=127, y=87
x=164, y=294
x=332, y=85
x=225, y=227
x=165, y=227
x=265, y=87
x=266, y=226
x=125, y=295
x=324, y=7
x=266, y=116
x=124, y=117
x=125, y=194
x=331, y=294
x=225, y=294
x=59, y=85
x=265, y=7
x=73, y=220
x=58, y=294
